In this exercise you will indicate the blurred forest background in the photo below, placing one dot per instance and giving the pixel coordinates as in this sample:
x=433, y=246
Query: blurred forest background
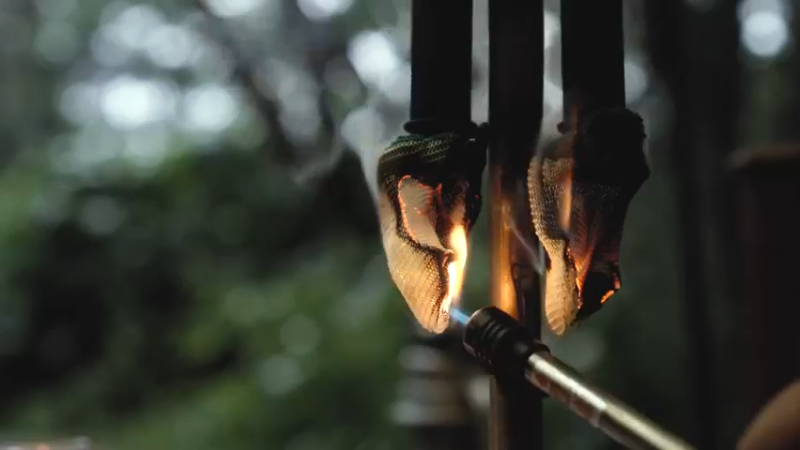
x=189, y=252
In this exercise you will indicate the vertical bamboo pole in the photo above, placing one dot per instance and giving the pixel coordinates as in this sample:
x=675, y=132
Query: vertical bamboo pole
x=516, y=33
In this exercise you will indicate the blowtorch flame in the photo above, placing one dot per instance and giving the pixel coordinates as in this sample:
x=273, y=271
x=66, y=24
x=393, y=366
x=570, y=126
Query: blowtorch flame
x=459, y=316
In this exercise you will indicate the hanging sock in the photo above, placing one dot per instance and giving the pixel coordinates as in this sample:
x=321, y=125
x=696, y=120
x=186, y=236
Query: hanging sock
x=580, y=187
x=429, y=198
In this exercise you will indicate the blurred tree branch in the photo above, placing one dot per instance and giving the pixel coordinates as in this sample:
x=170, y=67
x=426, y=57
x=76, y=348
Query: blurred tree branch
x=349, y=201
x=27, y=86
x=245, y=75
x=319, y=56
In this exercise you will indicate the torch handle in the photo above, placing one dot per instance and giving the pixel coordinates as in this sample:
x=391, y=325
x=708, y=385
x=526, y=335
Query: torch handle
x=603, y=411
x=510, y=352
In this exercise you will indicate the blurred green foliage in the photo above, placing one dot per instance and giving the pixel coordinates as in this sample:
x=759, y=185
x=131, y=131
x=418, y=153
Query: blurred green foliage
x=163, y=286
x=203, y=307
x=201, y=298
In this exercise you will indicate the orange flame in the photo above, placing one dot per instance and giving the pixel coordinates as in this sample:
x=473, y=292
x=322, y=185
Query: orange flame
x=455, y=267
x=565, y=209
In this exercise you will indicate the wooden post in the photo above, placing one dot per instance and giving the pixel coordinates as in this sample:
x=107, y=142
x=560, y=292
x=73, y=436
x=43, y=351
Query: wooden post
x=768, y=196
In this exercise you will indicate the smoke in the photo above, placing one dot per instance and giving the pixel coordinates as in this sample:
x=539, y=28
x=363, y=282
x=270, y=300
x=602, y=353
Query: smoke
x=365, y=132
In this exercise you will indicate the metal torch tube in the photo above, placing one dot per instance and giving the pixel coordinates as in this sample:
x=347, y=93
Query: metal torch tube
x=603, y=411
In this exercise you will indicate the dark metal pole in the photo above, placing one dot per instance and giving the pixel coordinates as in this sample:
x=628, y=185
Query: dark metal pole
x=441, y=60
x=516, y=46
x=433, y=403
x=592, y=57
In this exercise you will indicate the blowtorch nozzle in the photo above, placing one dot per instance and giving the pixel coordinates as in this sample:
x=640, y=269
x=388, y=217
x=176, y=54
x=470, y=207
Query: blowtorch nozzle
x=508, y=351
x=499, y=342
